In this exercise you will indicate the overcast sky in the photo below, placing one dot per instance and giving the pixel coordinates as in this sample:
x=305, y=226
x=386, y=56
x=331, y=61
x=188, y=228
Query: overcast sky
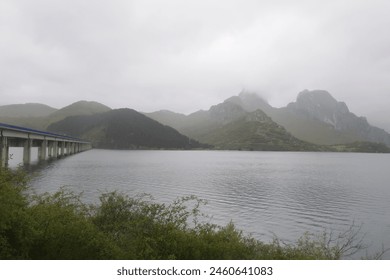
x=188, y=55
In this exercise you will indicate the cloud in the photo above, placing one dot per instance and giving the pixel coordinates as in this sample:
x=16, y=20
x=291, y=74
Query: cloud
x=187, y=55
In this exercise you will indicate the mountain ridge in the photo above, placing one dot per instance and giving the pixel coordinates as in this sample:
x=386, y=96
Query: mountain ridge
x=26, y=110
x=322, y=106
x=49, y=115
x=315, y=117
x=246, y=121
x=123, y=129
x=229, y=126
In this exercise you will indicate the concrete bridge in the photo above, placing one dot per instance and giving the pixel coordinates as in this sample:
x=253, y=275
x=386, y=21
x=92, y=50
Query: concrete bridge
x=50, y=145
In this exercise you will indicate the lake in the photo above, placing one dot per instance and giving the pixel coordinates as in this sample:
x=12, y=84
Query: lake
x=264, y=193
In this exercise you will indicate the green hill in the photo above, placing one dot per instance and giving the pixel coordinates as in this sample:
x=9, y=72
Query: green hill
x=257, y=131
x=28, y=110
x=236, y=124
x=77, y=109
x=168, y=118
x=124, y=129
x=31, y=115
x=39, y=116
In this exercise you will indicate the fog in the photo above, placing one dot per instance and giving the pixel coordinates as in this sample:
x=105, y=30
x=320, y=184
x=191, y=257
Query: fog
x=188, y=55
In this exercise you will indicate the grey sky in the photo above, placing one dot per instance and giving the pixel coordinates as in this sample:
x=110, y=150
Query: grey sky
x=188, y=55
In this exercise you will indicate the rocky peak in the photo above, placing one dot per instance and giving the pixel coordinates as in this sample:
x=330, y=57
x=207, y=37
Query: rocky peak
x=258, y=116
x=319, y=99
x=321, y=105
x=250, y=101
x=226, y=112
x=233, y=109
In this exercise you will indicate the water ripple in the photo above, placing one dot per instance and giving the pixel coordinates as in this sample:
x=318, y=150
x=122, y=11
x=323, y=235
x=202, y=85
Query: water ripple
x=264, y=193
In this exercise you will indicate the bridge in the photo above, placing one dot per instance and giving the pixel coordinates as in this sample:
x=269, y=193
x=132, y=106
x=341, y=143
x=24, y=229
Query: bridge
x=50, y=145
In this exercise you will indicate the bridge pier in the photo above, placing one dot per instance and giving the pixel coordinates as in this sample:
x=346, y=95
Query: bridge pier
x=63, y=149
x=67, y=144
x=27, y=151
x=42, y=150
x=4, y=151
x=50, y=149
x=55, y=146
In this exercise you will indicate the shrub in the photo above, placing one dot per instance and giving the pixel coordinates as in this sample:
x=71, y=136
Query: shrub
x=15, y=228
x=63, y=229
x=61, y=226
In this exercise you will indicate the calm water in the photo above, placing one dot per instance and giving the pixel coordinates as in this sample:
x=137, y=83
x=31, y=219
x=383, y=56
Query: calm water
x=263, y=193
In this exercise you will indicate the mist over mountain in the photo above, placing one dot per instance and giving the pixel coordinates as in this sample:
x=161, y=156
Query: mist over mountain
x=250, y=102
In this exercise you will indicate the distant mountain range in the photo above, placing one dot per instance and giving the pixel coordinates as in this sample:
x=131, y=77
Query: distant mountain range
x=315, y=117
x=40, y=116
x=228, y=126
x=314, y=122
x=28, y=110
x=124, y=129
x=106, y=128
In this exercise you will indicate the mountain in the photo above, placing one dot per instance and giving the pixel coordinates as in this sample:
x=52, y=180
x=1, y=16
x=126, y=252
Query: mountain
x=236, y=124
x=201, y=122
x=245, y=121
x=316, y=117
x=27, y=110
x=256, y=131
x=123, y=129
x=318, y=111
x=77, y=109
x=300, y=125
x=27, y=115
x=251, y=102
x=39, y=116
x=168, y=118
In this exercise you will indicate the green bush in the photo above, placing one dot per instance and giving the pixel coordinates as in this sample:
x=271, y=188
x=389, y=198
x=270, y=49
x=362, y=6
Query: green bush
x=15, y=227
x=61, y=226
x=64, y=230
